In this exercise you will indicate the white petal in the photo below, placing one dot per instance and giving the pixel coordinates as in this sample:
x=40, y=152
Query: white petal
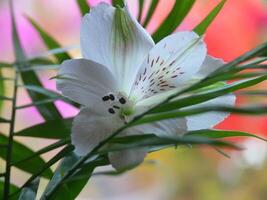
x=172, y=62
x=85, y=82
x=127, y=159
x=210, y=119
x=165, y=128
x=112, y=37
x=89, y=128
x=210, y=65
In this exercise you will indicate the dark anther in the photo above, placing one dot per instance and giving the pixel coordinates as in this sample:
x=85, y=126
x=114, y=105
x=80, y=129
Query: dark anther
x=111, y=110
x=117, y=107
x=105, y=98
x=111, y=96
x=122, y=100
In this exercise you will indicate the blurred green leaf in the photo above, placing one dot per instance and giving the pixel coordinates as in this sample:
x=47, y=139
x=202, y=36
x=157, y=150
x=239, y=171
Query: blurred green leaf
x=48, y=111
x=20, y=152
x=208, y=95
x=140, y=10
x=50, y=42
x=12, y=189
x=53, y=129
x=83, y=6
x=41, y=61
x=151, y=10
x=217, y=134
x=174, y=19
x=2, y=120
x=3, y=65
x=65, y=151
x=118, y=3
x=29, y=192
x=72, y=188
x=201, y=28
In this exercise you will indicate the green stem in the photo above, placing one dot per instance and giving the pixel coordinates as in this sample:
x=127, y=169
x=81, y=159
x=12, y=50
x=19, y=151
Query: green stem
x=10, y=140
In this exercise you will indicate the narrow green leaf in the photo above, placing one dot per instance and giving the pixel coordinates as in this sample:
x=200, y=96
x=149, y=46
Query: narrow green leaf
x=53, y=129
x=65, y=151
x=29, y=192
x=218, y=134
x=253, y=93
x=5, y=65
x=150, y=12
x=41, y=61
x=246, y=110
x=48, y=111
x=2, y=120
x=83, y=6
x=118, y=3
x=71, y=188
x=205, y=96
x=140, y=10
x=20, y=152
x=201, y=28
x=179, y=11
x=12, y=188
x=49, y=41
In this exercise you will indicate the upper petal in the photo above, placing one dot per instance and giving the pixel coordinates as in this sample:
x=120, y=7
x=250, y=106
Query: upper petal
x=172, y=62
x=210, y=119
x=85, y=82
x=112, y=37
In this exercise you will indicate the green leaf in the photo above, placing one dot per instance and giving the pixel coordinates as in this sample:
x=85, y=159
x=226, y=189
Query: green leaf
x=20, y=152
x=53, y=129
x=41, y=61
x=5, y=65
x=208, y=95
x=201, y=28
x=246, y=110
x=12, y=188
x=118, y=3
x=83, y=6
x=29, y=192
x=218, y=134
x=48, y=111
x=174, y=19
x=71, y=188
x=150, y=12
x=65, y=151
x=49, y=41
x=2, y=120
x=140, y=10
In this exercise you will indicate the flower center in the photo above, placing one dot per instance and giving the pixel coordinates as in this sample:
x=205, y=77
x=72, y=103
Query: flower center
x=119, y=104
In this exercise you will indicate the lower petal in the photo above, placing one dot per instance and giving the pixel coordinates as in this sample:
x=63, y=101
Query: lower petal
x=126, y=159
x=210, y=119
x=90, y=128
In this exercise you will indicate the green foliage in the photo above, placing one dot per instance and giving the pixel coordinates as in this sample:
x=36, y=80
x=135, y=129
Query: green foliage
x=180, y=9
x=83, y=6
x=73, y=172
x=20, y=152
x=201, y=28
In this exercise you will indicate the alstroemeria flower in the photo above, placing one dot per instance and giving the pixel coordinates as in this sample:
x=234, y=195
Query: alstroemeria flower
x=124, y=73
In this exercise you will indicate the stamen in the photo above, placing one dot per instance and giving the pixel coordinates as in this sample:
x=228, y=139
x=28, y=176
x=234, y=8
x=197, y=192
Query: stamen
x=122, y=100
x=111, y=111
x=105, y=98
x=117, y=107
x=111, y=96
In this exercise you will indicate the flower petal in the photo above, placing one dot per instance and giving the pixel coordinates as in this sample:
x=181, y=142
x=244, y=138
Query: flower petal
x=85, y=82
x=90, y=128
x=165, y=128
x=172, y=62
x=113, y=38
x=126, y=159
x=210, y=119
x=210, y=65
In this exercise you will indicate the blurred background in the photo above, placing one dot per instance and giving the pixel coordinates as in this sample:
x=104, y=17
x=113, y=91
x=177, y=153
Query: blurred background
x=172, y=174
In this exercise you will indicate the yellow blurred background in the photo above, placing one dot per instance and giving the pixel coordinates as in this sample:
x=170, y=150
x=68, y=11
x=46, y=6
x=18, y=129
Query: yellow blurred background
x=172, y=174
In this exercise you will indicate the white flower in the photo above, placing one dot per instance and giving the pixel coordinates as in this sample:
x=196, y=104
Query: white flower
x=123, y=73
